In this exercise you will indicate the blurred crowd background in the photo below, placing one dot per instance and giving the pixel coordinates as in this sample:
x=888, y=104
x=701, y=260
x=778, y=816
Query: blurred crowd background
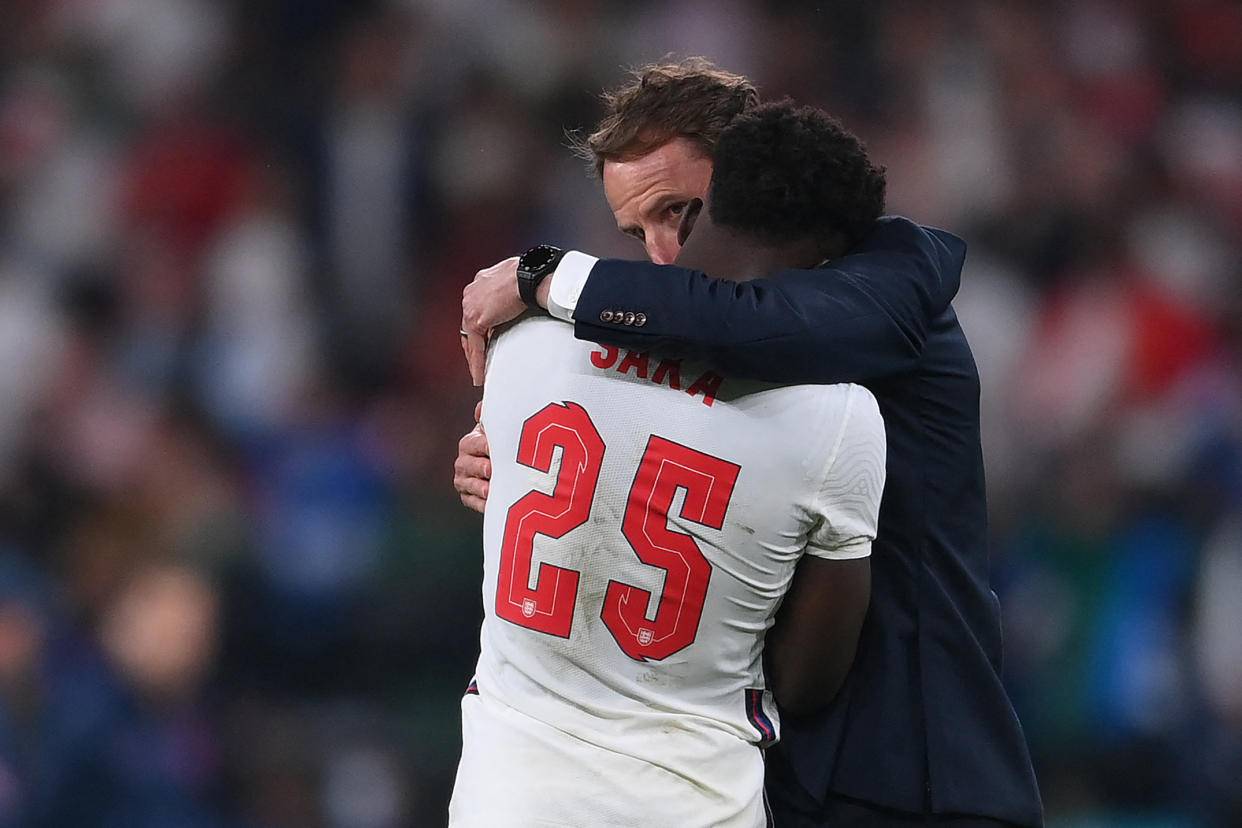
x=236, y=586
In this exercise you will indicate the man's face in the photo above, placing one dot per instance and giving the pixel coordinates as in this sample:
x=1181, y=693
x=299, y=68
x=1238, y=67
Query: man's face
x=648, y=194
x=707, y=248
x=723, y=252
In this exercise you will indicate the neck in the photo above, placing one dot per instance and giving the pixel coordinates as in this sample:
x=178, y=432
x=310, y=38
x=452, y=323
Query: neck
x=756, y=261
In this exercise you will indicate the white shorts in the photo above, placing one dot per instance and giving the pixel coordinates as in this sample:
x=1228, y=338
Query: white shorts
x=516, y=771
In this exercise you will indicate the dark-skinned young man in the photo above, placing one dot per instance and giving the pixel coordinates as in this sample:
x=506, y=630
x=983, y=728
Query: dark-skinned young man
x=647, y=518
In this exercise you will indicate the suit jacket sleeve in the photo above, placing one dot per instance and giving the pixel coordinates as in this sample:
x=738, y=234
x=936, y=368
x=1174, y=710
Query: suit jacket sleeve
x=863, y=316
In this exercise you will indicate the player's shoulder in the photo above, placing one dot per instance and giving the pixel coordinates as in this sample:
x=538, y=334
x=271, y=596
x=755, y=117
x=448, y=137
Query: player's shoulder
x=812, y=419
x=859, y=400
x=529, y=337
x=838, y=398
x=843, y=413
x=854, y=409
x=530, y=328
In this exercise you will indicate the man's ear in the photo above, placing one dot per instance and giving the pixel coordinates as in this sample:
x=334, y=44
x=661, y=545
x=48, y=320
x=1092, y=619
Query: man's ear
x=688, y=218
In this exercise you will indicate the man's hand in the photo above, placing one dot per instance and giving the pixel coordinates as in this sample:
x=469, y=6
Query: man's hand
x=491, y=299
x=473, y=469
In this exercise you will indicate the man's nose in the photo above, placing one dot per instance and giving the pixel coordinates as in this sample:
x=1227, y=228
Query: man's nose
x=662, y=246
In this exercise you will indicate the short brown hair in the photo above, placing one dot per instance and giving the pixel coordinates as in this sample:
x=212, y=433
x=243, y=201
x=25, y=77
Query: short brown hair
x=692, y=99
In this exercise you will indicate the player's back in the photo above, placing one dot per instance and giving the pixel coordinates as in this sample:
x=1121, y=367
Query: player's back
x=644, y=521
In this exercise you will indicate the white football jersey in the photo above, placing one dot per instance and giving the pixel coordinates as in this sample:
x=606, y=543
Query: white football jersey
x=643, y=523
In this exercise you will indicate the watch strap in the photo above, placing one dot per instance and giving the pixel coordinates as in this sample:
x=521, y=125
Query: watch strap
x=534, y=266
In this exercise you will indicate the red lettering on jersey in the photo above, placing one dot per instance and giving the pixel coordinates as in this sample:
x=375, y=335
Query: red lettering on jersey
x=606, y=357
x=548, y=606
x=638, y=361
x=708, y=385
x=670, y=368
x=708, y=482
x=667, y=371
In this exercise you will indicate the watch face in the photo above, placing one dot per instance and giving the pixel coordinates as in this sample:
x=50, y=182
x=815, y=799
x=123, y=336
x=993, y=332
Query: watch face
x=537, y=258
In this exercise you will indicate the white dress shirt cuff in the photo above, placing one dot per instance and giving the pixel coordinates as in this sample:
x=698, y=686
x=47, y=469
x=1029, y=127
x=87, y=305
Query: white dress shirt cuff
x=567, y=281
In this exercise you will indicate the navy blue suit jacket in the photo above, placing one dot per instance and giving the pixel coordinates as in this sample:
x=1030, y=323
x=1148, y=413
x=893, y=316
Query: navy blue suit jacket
x=922, y=723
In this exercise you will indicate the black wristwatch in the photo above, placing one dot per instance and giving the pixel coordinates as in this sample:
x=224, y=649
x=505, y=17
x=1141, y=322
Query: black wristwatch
x=533, y=267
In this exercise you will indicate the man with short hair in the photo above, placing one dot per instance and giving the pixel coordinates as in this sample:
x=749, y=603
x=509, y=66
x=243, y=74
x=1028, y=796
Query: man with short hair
x=667, y=125
x=625, y=679
x=923, y=730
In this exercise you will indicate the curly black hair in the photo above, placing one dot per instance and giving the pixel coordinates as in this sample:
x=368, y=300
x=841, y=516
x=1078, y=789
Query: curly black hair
x=784, y=172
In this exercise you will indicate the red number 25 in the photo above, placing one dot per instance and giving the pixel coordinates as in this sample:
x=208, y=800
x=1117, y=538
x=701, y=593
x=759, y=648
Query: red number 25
x=665, y=467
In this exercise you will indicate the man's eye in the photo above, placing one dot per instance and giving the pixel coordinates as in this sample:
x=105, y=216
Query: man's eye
x=678, y=208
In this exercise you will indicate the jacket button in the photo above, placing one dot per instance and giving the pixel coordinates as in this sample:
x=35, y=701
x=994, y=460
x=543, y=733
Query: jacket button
x=629, y=318
x=605, y=316
x=640, y=319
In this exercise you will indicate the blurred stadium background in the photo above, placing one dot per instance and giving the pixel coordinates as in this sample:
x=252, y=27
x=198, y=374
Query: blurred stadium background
x=236, y=587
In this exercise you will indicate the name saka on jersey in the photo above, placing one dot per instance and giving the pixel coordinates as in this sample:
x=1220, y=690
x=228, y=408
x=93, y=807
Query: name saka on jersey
x=638, y=540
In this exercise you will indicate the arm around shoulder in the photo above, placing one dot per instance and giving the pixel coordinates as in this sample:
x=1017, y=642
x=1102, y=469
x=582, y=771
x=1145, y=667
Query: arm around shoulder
x=863, y=316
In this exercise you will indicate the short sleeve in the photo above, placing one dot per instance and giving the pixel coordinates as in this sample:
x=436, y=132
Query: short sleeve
x=847, y=507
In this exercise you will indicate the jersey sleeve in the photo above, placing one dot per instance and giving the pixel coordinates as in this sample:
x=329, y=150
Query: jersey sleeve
x=847, y=506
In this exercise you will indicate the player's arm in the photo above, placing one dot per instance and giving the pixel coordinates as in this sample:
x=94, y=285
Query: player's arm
x=810, y=648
